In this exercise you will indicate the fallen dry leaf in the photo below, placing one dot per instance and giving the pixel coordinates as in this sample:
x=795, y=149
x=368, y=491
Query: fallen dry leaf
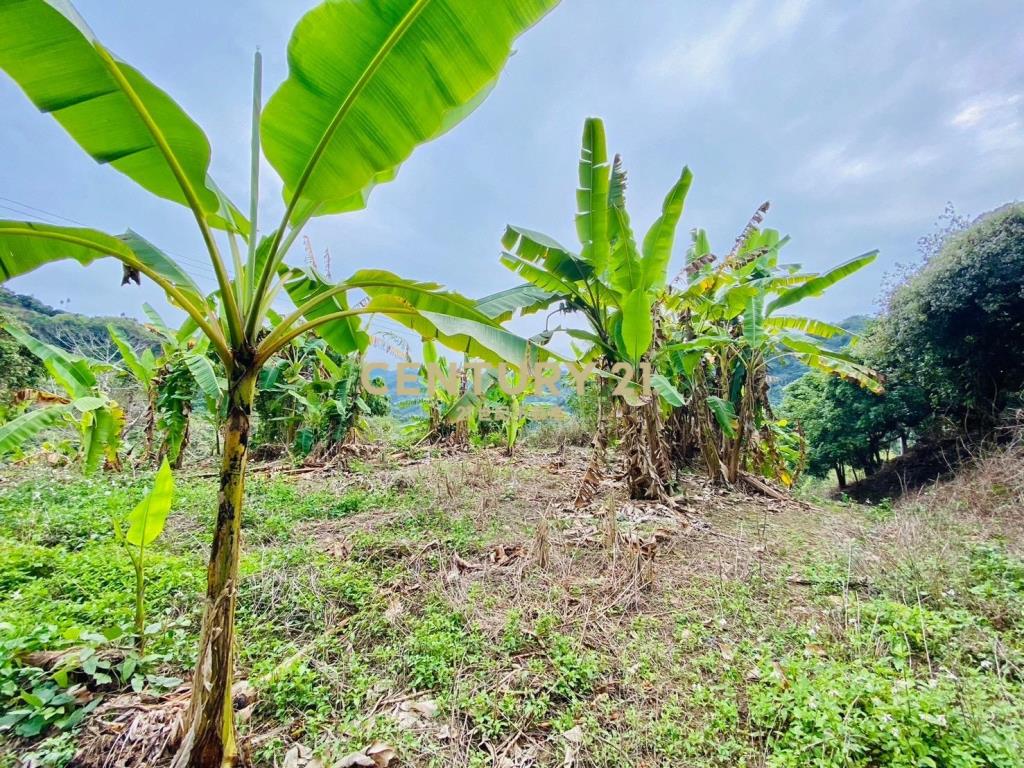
x=779, y=674
x=382, y=754
x=503, y=554
x=356, y=758
x=426, y=707
x=300, y=756
x=574, y=735
x=378, y=755
x=394, y=610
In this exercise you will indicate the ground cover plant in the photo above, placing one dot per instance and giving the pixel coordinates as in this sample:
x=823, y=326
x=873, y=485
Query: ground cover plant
x=459, y=610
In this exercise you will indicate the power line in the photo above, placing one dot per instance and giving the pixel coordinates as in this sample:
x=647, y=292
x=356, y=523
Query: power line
x=43, y=214
x=42, y=211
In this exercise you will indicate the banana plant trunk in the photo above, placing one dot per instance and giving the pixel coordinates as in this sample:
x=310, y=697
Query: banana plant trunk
x=209, y=737
x=648, y=467
x=179, y=459
x=150, y=422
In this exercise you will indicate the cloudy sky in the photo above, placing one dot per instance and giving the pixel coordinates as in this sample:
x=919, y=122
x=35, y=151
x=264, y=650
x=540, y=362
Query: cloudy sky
x=858, y=121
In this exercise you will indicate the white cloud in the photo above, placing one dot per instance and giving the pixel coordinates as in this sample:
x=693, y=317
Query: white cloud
x=993, y=120
x=747, y=28
x=835, y=163
x=839, y=164
x=969, y=116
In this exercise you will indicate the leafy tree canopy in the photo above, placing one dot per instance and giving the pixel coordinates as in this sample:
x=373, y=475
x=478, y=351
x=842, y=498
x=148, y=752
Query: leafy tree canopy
x=847, y=425
x=955, y=328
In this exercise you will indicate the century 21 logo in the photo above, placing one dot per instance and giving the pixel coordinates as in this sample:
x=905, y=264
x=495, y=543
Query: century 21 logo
x=542, y=377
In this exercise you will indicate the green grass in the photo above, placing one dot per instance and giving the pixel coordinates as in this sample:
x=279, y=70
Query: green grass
x=921, y=667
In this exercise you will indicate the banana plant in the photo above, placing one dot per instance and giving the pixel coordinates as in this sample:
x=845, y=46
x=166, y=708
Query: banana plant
x=449, y=412
x=171, y=382
x=612, y=282
x=83, y=404
x=723, y=335
x=508, y=405
x=367, y=83
x=312, y=400
x=140, y=528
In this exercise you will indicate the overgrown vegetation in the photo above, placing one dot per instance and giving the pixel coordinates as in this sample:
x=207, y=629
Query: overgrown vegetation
x=432, y=61
x=947, y=348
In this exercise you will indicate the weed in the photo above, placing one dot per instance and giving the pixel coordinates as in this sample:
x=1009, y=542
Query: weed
x=863, y=713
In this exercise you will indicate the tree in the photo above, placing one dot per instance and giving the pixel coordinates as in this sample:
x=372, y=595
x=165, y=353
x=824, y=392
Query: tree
x=724, y=332
x=613, y=283
x=846, y=425
x=366, y=85
x=955, y=327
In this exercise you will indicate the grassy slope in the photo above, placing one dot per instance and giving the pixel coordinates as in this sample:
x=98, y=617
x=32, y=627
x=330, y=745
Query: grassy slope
x=83, y=334
x=406, y=604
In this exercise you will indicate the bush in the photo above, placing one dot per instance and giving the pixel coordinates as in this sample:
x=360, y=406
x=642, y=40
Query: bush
x=864, y=713
x=955, y=328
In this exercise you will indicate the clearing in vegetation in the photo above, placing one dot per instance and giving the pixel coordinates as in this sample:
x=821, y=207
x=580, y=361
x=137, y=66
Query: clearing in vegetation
x=457, y=610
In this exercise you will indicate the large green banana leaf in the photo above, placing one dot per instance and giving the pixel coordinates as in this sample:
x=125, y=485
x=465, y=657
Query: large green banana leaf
x=526, y=299
x=861, y=374
x=725, y=414
x=592, y=196
x=658, y=242
x=343, y=335
x=101, y=436
x=481, y=340
x=624, y=262
x=667, y=391
x=16, y=432
x=805, y=325
x=26, y=245
x=456, y=321
x=155, y=262
x=143, y=371
x=72, y=373
x=107, y=106
x=202, y=371
x=369, y=81
x=146, y=522
x=435, y=314
x=543, y=279
x=808, y=347
x=548, y=265
x=817, y=285
x=541, y=249
x=753, y=320
x=637, y=324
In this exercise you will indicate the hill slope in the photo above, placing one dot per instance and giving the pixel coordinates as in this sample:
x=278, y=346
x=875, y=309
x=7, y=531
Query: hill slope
x=71, y=331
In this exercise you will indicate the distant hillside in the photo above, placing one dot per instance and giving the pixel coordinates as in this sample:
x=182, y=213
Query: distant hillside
x=81, y=334
x=789, y=370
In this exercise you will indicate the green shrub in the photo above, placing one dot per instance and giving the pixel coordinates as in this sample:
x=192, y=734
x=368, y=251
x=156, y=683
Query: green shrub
x=955, y=327
x=866, y=713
